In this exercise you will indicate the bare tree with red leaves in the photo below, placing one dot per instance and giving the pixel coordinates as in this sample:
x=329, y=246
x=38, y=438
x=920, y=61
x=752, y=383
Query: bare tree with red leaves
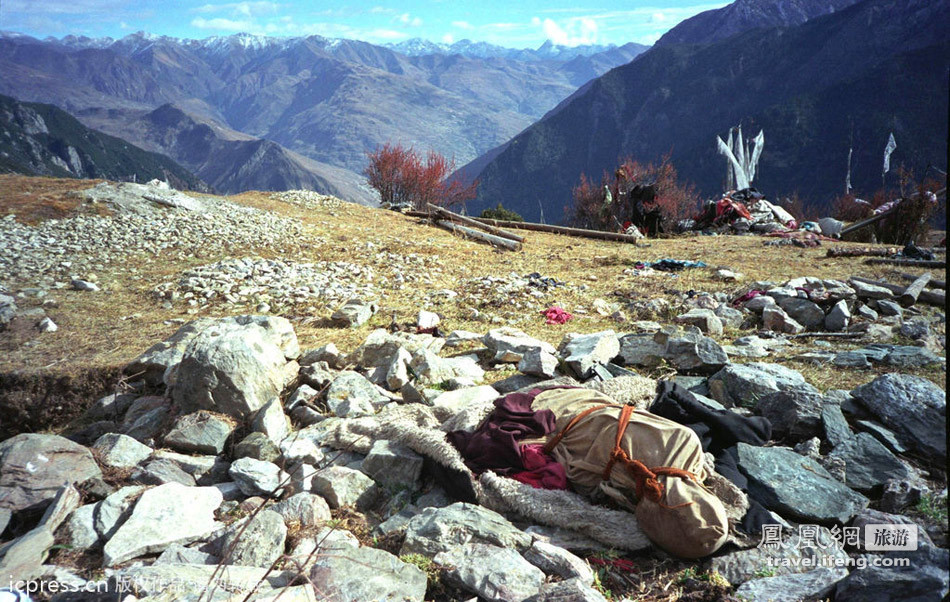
x=401, y=176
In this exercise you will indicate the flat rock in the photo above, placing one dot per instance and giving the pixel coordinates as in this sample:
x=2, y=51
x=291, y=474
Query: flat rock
x=120, y=451
x=794, y=413
x=112, y=512
x=705, y=320
x=256, y=477
x=257, y=446
x=351, y=395
x=925, y=578
x=188, y=582
x=835, y=426
x=393, y=465
x=164, y=515
x=557, y=561
x=869, y=291
x=581, y=352
x=911, y=406
x=179, y=554
x=259, y=541
x=805, y=312
x=538, y=363
x=868, y=464
x=491, y=572
x=160, y=471
x=33, y=468
x=200, y=432
x=354, y=312
x=342, y=486
x=80, y=528
x=436, y=530
x=452, y=402
x=304, y=509
x=562, y=591
x=367, y=574
x=510, y=344
x=797, y=487
x=838, y=317
x=777, y=320
x=813, y=585
x=743, y=384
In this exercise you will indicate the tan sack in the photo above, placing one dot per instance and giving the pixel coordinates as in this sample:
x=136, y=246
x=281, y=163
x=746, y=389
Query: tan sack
x=675, y=511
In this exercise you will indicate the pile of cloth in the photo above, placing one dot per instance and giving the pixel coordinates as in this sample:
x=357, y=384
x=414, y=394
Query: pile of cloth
x=744, y=211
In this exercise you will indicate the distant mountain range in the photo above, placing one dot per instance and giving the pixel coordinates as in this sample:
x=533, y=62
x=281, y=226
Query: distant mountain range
x=40, y=139
x=813, y=86
x=307, y=108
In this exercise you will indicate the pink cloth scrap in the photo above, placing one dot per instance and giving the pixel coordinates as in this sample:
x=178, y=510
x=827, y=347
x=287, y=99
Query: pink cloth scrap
x=556, y=315
x=541, y=470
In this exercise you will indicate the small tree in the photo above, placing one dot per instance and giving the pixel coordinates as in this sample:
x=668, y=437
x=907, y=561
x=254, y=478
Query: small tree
x=401, y=177
x=502, y=214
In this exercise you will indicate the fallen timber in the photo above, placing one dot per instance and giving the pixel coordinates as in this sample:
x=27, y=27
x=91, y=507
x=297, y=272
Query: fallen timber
x=455, y=217
x=912, y=292
x=932, y=283
x=920, y=263
x=937, y=297
x=595, y=234
x=491, y=239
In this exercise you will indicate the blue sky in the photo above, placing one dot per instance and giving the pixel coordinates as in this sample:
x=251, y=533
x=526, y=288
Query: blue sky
x=512, y=23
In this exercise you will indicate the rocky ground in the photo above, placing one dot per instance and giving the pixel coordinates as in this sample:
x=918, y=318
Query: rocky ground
x=294, y=449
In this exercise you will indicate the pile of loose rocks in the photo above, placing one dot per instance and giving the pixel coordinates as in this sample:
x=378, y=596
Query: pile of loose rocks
x=308, y=199
x=147, y=219
x=227, y=452
x=268, y=283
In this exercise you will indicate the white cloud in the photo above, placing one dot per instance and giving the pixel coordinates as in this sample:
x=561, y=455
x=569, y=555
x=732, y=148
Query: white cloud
x=574, y=32
x=462, y=24
x=243, y=9
x=223, y=24
x=409, y=21
x=448, y=38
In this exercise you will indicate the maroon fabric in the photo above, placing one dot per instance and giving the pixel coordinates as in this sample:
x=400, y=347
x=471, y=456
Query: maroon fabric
x=541, y=470
x=494, y=445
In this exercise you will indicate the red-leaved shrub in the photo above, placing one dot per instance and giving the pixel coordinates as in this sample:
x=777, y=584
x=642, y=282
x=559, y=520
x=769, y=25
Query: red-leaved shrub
x=401, y=176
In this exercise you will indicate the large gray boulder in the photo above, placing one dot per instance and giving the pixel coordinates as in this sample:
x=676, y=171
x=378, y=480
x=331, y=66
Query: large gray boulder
x=436, y=530
x=256, y=477
x=797, y=487
x=924, y=577
x=813, y=585
x=351, y=395
x=120, y=451
x=164, y=515
x=868, y=464
x=258, y=541
x=510, y=344
x=581, y=352
x=354, y=312
x=200, y=432
x=34, y=467
x=911, y=406
x=805, y=312
x=776, y=319
x=491, y=572
x=685, y=349
x=342, y=486
x=796, y=414
x=704, y=319
x=367, y=574
x=234, y=367
x=393, y=465
x=743, y=384
x=792, y=556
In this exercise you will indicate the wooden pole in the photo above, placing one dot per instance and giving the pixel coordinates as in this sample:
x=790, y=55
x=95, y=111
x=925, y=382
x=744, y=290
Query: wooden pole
x=920, y=263
x=455, y=217
x=491, y=239
x=910, y=294
x=867, y=222
x=860, y=252
x=937, y=298
x=595, y=234
x=932, y=283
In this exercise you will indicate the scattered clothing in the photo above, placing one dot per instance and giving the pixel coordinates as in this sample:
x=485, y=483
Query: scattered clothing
x=912, y=251
x=746, y=297
x=556, y=315
x=671, y=265
x=541, y=470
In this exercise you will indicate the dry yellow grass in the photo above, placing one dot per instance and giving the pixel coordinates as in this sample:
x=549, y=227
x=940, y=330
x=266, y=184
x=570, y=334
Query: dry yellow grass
x=97, y=330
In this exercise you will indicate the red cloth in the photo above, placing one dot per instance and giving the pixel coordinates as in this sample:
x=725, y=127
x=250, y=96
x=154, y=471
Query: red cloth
x=541, y=470
x=556, y=315
x=726, y=207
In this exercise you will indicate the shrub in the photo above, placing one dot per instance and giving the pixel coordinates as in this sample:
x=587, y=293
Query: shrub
x=910, y=222
x=403, y=177
x=500, y=213
x=635, y=189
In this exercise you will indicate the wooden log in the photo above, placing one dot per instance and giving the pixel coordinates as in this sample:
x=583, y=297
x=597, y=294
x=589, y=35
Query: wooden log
x=455, y=217
x=932, y=283
x=910, y=294
x=861, y=251
x=491, y=239
x=937, y=298
x=836, y=335
x=920, y=263
x=867, y=222
x=595, y=234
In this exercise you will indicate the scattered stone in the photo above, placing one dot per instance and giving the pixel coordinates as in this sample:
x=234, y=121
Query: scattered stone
x=167, y=514
x=120, y=451
x=304, y=509
x=351, y=395
x=393, y=465
x=342, y=486
x=161, y=471
x=179, y=554
x=259, y=541
x=34, y=467
x=427, y=320
x=571, y=589
x=80, y=528
x=367, y=574
x=924, y=578
x=794, y=413
x=776, y=320
x=459, y=337
x=452, y=402
x=538, y=363
x=205, y=469
x=898, y=495
x=83, y=285
x=869, y=291
x=47, y=325
x=868, y=464
x=271, y=420
x=557, y=561
x=200, y=432
x=913, y=407
x=869, y=516
x=328, y=353
x=797, y=487
x=882, y=434
x=437, y=530
x=834, y=425
x=298, y=450
x=491, y=572
x=813, y=585
x=759, y=303
x=805, y=312
x=743, y=384
x=704, y=319
x=509, y=344
x=867, y=313
x=256, y=477
x=916, y=329
x=792, y=556
x=354, y=312
x=838, y=318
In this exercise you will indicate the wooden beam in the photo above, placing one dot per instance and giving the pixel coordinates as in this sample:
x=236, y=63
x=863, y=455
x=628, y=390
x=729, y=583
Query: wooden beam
x=920, y=263
x=937, y=298
x=491, y=239
x=910, y=294
x=595, y=234
x=455, y=217
x=861, y=252
x=932, y=283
